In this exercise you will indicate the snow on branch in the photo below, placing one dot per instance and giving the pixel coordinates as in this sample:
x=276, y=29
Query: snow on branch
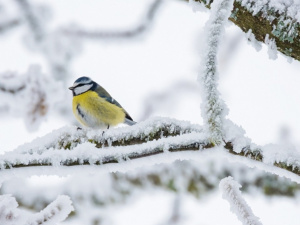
x=30, y=95
x=230, y=189
x=68, y=138
x=110, y=34
x=280, y=20
x=141, y=140
x=213, y=108
x=158, y=136
x=54, y=213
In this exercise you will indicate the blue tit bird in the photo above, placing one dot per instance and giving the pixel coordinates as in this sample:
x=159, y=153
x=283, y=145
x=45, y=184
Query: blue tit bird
x=94, y=107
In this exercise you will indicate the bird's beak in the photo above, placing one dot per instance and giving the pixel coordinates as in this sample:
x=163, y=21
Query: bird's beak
x=71, y=88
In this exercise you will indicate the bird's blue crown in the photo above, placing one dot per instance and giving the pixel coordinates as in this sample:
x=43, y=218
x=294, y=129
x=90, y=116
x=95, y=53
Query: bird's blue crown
x=83, y=80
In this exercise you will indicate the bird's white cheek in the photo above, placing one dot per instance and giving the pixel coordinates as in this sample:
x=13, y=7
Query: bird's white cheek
x=82, y=89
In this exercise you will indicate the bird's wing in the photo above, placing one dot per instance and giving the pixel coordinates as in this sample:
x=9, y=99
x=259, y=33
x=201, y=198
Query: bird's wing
x=104, y=94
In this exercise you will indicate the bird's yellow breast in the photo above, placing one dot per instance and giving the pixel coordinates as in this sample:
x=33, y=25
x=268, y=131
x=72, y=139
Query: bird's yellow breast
x=93, y=111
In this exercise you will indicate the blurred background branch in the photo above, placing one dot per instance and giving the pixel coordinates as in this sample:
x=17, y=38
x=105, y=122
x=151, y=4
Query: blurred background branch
x=8, y=25
x=102, y=191
x=143, y=26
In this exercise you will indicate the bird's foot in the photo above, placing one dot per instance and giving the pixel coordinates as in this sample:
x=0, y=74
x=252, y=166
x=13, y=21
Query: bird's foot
x=79, y=128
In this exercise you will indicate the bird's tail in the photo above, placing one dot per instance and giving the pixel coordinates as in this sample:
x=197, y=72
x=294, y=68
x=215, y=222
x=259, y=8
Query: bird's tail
x=129, y=122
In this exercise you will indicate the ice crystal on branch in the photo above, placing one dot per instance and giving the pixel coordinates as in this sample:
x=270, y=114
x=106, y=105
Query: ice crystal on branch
x=272, y=48
x=213, y=108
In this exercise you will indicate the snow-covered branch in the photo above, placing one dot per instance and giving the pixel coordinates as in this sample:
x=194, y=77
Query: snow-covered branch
x=213, y=108
x=278, y=19
x=89, y=154
x=159, y=136
x=238, y=205
x=30, y=95
x=141, y=28
x=54, y=213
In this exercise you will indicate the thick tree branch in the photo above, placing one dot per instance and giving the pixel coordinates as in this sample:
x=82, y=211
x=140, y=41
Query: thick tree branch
x=280, y=26
x=69, y=147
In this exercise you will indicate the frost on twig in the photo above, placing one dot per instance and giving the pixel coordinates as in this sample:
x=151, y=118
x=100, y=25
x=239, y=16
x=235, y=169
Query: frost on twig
x=30, y=96
x=54, y=213
x=230, y=189
x=213, y=108
x=141, y=28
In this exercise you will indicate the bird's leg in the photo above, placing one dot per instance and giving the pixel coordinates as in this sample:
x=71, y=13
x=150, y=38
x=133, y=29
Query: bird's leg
x=107, y=129
x=79, y=128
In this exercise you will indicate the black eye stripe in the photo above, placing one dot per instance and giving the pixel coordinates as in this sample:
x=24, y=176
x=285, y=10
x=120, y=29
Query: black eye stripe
x=80, y=85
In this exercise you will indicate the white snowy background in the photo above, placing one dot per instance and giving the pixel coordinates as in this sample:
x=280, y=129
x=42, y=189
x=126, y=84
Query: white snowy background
x=155, y=74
